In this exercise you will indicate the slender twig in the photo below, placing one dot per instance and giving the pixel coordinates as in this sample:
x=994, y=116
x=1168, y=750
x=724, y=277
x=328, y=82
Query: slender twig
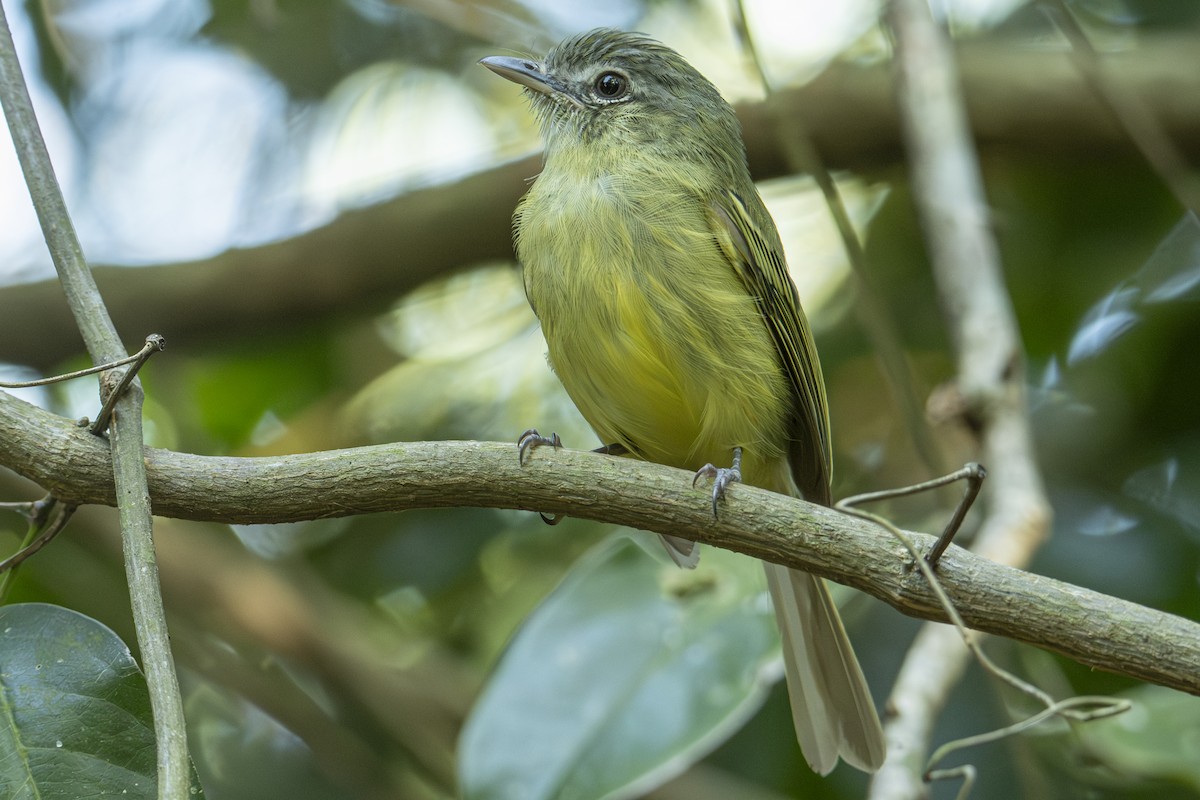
x=1075, y=709
x=949, y=195
x=34, y=543
x=1135, y=116
x=1069, y=709
x=129, y=472
x=973, y=474
x=35, y=513
x=153, y=343
x=24, y=508
x=965, y=473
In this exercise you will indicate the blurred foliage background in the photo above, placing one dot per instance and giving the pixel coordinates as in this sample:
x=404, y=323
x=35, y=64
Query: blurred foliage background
x=309, y=199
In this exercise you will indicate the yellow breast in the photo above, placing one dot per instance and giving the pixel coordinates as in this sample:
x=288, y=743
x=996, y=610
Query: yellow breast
x=650, y=330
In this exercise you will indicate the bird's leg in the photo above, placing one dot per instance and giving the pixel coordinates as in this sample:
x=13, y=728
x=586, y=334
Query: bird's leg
x=722, y=477
x=528, y=441
x=531, y=439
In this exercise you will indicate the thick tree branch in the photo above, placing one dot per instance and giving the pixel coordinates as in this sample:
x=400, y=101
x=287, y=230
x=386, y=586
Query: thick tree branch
x=1031, y=101
x=1094, y=629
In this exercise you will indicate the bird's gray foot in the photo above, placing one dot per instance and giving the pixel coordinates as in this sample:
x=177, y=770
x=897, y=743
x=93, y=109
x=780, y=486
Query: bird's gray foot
x=723, y=477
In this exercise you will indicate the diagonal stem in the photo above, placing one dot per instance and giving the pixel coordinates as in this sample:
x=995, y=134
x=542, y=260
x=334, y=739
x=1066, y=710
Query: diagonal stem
x=129, y=470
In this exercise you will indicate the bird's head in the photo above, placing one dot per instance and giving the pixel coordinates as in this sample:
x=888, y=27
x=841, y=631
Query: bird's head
x=612, y=89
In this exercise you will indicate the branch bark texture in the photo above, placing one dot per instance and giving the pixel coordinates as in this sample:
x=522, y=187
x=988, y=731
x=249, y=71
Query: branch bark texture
x=1094, y=629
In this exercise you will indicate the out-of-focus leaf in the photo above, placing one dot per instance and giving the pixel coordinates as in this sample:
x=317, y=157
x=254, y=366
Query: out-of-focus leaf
x=475, y=368
x=274, y=383
x=1104, y=323
x=392, y=127
x=1093, y=531
x=1171, y=486
x=816, y=255
x=246, y=755
x=1157, y=740
x=74, y=711
x=283, y=539
x=1171, y=274
x=628, y=673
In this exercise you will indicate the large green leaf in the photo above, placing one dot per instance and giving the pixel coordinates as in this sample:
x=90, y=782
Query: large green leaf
x=629, y=671
x=75, y=716
x=1156, y=742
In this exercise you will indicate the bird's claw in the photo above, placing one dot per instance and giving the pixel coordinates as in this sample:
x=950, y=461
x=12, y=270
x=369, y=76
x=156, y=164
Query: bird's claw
x=531, y=439
x=722, y=478
x=528, y=441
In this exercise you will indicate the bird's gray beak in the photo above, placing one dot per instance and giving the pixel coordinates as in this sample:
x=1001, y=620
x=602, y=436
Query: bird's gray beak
x=523, y=71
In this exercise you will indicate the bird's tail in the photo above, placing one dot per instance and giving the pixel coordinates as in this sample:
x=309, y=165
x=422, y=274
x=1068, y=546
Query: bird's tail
x=831, y=704
x=684, y=552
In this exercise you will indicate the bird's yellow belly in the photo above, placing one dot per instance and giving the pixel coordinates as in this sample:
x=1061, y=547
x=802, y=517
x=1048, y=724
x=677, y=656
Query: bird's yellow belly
x=659, y=345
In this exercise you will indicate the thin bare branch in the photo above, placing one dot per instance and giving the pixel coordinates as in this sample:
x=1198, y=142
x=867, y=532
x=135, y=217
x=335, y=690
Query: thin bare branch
x=154, y=343
x=39, y=541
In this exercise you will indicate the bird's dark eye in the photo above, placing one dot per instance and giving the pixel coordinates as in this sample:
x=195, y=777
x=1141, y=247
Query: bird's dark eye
x=611, y=85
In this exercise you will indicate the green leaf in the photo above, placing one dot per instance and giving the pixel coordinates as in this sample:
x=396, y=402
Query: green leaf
x=630, y=671
x=244, y=754
x=474, y=367
x=275, y=380
x=74, y=710
x=1157, y=740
